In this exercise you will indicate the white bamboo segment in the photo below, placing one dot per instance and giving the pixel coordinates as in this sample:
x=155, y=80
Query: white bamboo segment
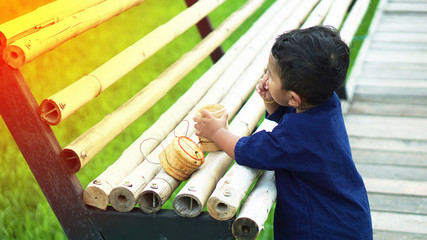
x=123, y=197
x=40, y=18
x=255, y=209
x=157, y=192
x=353, y=20
x=190, y=201
x=81, y=151
x=318, y=14
x=64, y=103
x=232, y=188
x=26, y=49
x=337, y=13
x=201, y=194
x=132, y=156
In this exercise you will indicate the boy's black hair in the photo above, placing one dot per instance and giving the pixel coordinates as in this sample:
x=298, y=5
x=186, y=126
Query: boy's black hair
x=313, y=62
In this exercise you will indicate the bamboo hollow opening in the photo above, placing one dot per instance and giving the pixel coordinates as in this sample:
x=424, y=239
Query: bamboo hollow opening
x=122, y=199
x=149, y=202
x=70, y=160
x=245, y=228
x=187, y=205
x=50, y=112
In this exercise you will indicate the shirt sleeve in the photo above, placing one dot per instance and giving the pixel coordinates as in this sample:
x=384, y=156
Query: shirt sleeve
x=263, y=150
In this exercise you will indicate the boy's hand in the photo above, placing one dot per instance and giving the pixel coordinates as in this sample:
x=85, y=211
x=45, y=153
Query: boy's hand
x=262, y=88
x=207, y=125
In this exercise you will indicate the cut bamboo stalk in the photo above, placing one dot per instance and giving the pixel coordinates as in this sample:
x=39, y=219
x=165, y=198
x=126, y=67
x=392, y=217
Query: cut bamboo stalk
x=353, y=20
x=255, y=209
x=40, y=18
x=318, y=14
x=337, y=13
x=26, y=49
x=123, y=197
x=131, y=157
x=201, y=194
x=190, y=201
x=232, y=188
x=65, y=101
x=81, y=151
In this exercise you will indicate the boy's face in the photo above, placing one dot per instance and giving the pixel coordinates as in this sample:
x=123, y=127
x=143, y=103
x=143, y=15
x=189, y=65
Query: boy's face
x=275, y=84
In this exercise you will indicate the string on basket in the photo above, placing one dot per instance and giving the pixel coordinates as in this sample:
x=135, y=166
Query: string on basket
x=143, y=155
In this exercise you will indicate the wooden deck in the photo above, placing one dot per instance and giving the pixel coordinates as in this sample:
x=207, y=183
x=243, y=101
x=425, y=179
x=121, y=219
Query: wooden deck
x=386, y=118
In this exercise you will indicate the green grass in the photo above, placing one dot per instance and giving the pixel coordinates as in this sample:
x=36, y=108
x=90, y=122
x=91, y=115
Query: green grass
x=24, y=211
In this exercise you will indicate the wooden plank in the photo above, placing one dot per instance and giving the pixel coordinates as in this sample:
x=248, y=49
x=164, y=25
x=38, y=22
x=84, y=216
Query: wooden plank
x=396, y=56
x=406, y=7
x=393, y=235
x=393, y=82
x=390, y=157
x=398, y=222
x=410, y=25
x=386, y=127
x=380, y=95
x=398, y=203
x=393, y=172
x=396, y=186
x=388, y=109
x=384, y=144
x=393, y=70
x=408, y=37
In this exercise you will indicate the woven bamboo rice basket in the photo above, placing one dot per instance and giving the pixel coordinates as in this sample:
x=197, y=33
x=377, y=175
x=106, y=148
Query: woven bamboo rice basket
x=181, y=158
x=217, y=110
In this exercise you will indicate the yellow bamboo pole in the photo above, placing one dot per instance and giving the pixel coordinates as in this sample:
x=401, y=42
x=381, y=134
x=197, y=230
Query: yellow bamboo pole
x=26, y=49
x=83, y=149
x=41, y=18
x=256, y=208
x=64, y=103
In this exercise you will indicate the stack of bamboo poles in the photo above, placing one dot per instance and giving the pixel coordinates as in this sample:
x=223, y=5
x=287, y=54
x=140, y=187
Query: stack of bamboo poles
x=84, y=148
x=97, y=193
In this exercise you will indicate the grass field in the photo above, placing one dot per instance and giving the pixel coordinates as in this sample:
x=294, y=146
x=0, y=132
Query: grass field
x=24, y=211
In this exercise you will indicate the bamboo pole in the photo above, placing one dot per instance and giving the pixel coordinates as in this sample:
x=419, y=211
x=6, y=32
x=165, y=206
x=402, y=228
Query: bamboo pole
x=201, y=194
x=256, y=208
x=232, y=188
x=81, y=151
x=337, y=13
x=41, y=18
x=318, y=14
x=64, y=103
x=353, y=20
x=220, y=76
x=26, y=49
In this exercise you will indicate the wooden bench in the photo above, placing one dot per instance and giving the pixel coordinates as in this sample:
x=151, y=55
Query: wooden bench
x=86, y=213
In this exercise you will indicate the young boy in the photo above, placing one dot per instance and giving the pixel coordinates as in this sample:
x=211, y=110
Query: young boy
x=320, y=194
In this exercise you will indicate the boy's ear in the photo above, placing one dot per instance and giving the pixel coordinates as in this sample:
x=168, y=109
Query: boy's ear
x=294, y=99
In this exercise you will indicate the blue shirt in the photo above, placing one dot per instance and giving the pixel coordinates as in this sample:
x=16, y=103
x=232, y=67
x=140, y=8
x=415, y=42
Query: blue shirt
x=320, y=194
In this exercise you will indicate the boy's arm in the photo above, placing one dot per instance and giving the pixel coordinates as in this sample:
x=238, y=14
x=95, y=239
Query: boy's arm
x=226, y=140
